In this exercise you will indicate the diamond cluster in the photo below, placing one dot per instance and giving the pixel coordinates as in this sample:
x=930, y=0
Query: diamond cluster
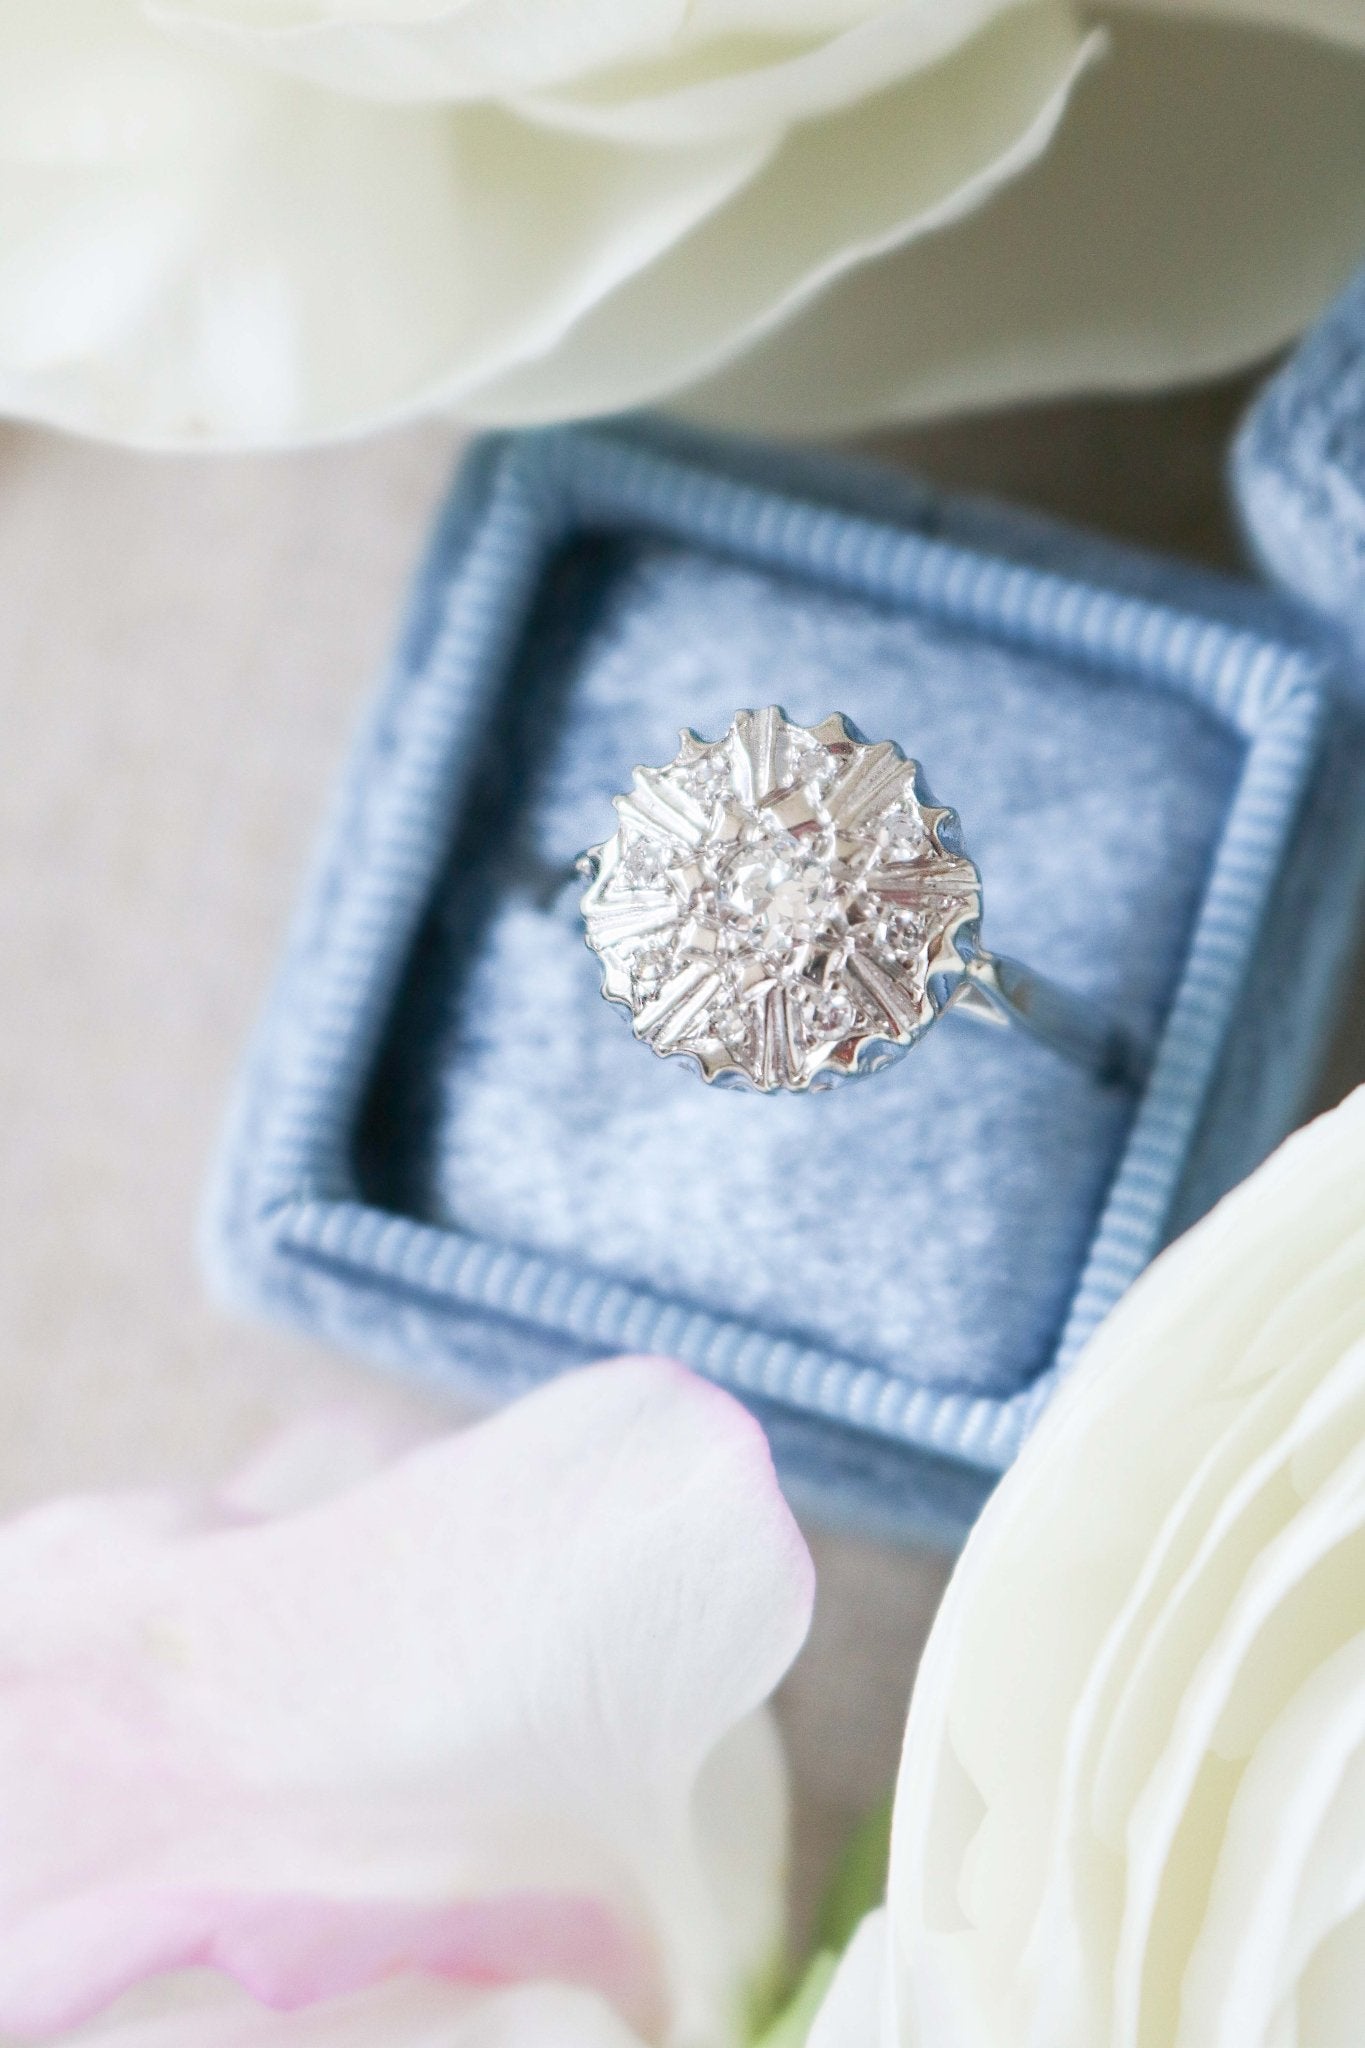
x=774, y=901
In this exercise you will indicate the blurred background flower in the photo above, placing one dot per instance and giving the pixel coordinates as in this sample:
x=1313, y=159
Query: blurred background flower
x=466, y=1747
x=1132, y=1805
x=230, y=222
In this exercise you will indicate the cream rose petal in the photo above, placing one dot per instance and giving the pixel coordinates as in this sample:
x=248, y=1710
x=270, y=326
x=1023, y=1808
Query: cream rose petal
x=1291, y=1868
x=1133, y=1691
x=595, y=206
x=488, y=1714
x=176, y=277
x=1199, y=205
x=900, y=166
x=701, y=84
x=1149, y=1661
x=1279, y=1624
x=856, y=2011
x=985, y=84
x=777, y=20
x=868, y=60
x=192, y=297
x=477, y=50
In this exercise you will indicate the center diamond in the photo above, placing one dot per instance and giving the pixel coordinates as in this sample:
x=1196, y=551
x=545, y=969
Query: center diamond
x=780, y=890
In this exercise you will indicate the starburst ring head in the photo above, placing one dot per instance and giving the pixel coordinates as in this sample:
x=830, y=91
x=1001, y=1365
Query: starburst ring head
x=786, y=906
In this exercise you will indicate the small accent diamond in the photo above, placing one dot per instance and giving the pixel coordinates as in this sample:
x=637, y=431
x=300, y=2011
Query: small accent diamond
x=804, y=763
x=650, y=969
x=734, y=1028
x=645, y=863
x=708, y=778
x=900, y=932
x=901, y=835
x=829, y=1013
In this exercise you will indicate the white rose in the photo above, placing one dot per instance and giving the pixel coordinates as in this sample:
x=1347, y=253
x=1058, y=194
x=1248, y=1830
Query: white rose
x=226, y=222
x=1132, y=1807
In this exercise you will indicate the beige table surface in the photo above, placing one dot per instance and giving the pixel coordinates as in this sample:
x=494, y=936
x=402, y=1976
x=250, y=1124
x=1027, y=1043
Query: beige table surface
x=184, y=646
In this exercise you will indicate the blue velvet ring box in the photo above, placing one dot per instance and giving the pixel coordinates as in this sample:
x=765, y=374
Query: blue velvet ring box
x=449, y=1154
x=1299, y=469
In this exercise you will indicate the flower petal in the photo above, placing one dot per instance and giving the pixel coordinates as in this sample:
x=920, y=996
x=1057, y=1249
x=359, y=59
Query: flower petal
x=185, y=291
x=1094, y=271
x=1299, y=1390
x=473, y=50
x=761, y=205
x=776, y=91
x=1279, y=1623
x=177, y=232
x=1135, y=1641
x=404, y=2013
x=855, y=2012
x=289, y=1952
x=509, y=1665
x=322, y=1454
x=656, y=72
x=1291, y=1869
x=740, y=1815
x=889, y=170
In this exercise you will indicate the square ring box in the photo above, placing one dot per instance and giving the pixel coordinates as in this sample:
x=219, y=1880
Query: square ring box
x=449, y=1154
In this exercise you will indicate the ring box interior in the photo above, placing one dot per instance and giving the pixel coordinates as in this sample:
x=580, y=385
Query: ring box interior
x=448, y=1153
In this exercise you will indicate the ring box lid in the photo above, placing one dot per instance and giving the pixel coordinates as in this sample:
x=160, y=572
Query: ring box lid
x=1298, y=474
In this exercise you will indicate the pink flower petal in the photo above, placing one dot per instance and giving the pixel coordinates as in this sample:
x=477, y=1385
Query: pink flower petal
x=501, y=1666
x=291, y=1952
x=405, y=2012
x=323, y=1453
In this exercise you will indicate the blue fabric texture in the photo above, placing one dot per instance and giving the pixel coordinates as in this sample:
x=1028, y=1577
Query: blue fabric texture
x=449, y=1153
x=1299, y=472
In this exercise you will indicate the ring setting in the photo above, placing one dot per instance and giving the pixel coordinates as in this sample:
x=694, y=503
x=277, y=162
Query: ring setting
x=788, y=908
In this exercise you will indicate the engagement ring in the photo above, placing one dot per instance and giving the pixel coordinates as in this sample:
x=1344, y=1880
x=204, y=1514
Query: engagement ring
x=789, y=908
